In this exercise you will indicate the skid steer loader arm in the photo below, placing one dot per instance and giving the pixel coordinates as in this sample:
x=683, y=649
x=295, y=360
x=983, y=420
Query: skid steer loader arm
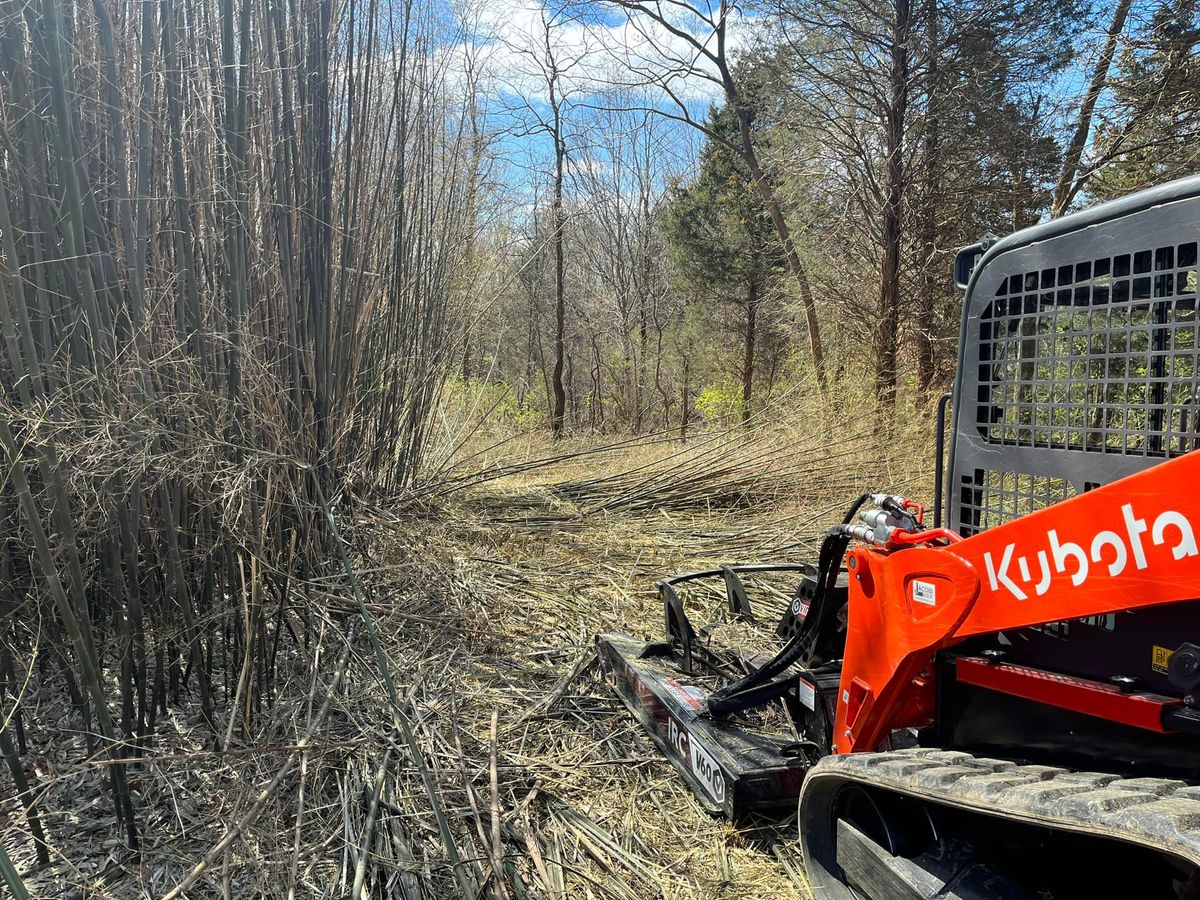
x=1123, y=546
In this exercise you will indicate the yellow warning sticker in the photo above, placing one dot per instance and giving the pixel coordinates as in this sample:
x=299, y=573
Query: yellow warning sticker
x=1160, y=657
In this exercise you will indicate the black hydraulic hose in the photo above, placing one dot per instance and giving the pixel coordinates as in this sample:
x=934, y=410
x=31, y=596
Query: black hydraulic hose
x=749, y=691
x=752, y=690
x=752, y=696
x=854, y=508
x=839, y=542
x=757, y=695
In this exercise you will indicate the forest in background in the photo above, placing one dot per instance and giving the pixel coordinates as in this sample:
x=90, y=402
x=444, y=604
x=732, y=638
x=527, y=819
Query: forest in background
x=793, y=224
x=282, y=282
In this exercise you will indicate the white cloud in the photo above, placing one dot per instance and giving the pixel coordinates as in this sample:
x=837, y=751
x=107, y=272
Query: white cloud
x=596, y=46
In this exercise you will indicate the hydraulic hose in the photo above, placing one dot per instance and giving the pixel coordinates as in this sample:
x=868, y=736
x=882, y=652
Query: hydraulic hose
x=753, y=690
x=854, y=508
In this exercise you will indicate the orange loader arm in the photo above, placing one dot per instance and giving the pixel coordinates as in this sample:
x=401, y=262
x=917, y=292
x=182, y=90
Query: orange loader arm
x=1124, y=546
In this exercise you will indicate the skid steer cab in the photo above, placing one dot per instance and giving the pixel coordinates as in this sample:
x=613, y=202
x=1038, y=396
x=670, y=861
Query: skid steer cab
x=1001, y=701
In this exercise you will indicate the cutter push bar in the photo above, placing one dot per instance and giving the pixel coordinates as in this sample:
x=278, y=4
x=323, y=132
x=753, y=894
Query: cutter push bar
x=733, y=764
x=734, y=770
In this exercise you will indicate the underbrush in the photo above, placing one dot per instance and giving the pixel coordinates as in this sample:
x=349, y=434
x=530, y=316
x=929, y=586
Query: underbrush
x=433, y=722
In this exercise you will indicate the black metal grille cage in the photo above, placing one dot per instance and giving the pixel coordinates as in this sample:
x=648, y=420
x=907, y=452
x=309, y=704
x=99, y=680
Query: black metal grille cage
x=991, y=497
x=1080, y=356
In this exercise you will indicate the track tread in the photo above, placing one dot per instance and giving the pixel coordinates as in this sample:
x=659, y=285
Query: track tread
x=1162, y=813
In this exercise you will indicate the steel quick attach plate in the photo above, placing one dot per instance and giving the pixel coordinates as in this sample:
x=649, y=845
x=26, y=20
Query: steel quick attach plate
x=732, y=770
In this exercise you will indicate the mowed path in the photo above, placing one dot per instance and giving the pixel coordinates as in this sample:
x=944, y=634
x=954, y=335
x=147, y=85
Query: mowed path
x=559, y=554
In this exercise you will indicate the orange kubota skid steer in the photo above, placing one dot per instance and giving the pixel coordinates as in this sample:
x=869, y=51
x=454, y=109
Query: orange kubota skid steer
x=1006, y=706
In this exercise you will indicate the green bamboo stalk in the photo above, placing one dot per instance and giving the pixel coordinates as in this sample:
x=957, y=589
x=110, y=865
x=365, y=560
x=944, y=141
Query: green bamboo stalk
x=25, y=795
x=9, y=873
x=189, y=320
x=84, y=648
x=7, y=669
x=354, y=337
x=140, y=249
x=45, y=279
x=124, y=633
x=122, y=200
x=22, y=350
x=135, y=614
x=183, y=600
x=63, y=137
x=234, y=164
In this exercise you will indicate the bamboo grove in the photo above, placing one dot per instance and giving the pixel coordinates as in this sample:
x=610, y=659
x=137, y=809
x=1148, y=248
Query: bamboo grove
x=232, y=232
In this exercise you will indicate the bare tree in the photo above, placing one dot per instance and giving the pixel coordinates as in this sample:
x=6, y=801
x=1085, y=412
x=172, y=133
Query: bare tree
x=896, y=111
x=621, y=176
x=849, y=75
x=549, y=65
x=706, y=57
x=1147, y=133
x=560, y=303
x=1070, y=182
x=927, y=216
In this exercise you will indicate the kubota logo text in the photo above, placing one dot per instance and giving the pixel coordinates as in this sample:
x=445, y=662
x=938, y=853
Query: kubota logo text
x=1110, y=548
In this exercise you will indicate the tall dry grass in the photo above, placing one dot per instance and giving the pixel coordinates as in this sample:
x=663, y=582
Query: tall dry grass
x=231, y=239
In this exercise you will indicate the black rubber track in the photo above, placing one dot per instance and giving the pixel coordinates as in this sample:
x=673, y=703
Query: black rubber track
x=1159, y=813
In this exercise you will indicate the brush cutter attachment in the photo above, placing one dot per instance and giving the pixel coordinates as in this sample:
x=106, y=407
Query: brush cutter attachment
x=742, y=726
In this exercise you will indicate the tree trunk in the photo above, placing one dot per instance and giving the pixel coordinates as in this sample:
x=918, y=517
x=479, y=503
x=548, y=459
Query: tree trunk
x=560, y=393
x=572, y=414
x=1069, y=182
x=771, y=201
x=643, y=288
x=889, y=289
x=751, y=337
x=597, y=411
x=931, y=153
x=530, y=362
x=687, y=387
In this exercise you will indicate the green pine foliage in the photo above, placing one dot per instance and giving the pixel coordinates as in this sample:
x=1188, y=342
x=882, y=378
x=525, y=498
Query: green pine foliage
x=1153, y=129
x=718, y=231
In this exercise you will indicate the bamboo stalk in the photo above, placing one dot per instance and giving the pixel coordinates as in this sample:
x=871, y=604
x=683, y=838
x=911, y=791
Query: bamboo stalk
x=239, y=827
x=368, y=832
x=229, y=235
x=84, y=648
x=9, y=873
x=399, y=719
x=25, y=795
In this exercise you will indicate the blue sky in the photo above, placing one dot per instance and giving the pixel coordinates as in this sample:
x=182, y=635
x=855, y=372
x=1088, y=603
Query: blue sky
x=599, y=46
x=601, y=50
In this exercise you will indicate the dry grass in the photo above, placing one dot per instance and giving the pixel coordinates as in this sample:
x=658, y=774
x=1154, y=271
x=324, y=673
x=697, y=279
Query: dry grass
x=487, y=605
x=555, y=555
